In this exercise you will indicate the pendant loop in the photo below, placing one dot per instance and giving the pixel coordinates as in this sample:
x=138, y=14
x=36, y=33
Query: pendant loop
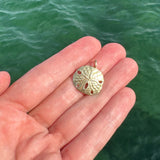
x=95, y=63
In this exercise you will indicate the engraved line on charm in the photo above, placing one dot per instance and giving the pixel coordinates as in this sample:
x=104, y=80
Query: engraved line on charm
x=88, y=80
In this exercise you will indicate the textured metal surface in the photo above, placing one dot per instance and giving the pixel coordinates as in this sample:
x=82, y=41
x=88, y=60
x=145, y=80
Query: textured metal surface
x=88, y=80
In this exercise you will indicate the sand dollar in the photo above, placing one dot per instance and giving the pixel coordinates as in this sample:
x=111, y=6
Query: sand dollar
x=88, y=80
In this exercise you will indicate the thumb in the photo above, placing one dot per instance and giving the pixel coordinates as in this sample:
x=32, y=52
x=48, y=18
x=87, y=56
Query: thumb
x=4, y=81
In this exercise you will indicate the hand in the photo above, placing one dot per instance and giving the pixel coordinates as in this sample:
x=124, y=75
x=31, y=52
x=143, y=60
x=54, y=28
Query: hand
x=44, y=117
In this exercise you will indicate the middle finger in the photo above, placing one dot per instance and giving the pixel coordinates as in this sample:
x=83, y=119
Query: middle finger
x=66, y=95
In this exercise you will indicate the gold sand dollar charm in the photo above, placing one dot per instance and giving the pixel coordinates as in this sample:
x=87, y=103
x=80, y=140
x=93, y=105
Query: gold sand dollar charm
x=88, y=80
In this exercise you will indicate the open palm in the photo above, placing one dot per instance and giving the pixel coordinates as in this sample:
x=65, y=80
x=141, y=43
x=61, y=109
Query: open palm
x=44, y=117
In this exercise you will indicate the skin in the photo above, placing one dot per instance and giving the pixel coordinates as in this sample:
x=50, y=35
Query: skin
x=44, y=117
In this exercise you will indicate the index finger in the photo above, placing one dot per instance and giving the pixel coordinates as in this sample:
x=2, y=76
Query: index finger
x=43, y=79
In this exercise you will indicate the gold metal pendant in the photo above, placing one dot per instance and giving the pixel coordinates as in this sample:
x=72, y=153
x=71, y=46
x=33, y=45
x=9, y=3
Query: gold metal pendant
x=88, y=80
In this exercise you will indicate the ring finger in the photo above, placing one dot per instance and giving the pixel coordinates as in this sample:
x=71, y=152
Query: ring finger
x=73, y=121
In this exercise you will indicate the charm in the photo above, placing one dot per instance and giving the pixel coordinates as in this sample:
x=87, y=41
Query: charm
x=88, y=80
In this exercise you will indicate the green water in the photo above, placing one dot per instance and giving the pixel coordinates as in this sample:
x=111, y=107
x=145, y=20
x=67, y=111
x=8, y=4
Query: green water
x=33, y=30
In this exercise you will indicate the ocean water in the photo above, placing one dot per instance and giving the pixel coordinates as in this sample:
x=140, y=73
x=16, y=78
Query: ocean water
x=33, y=30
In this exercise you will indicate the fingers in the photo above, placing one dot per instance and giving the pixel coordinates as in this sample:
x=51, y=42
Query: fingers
x=4, y=81
x=93, y=138
x=43, y=79
x=65, y=95
x=80, y=114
